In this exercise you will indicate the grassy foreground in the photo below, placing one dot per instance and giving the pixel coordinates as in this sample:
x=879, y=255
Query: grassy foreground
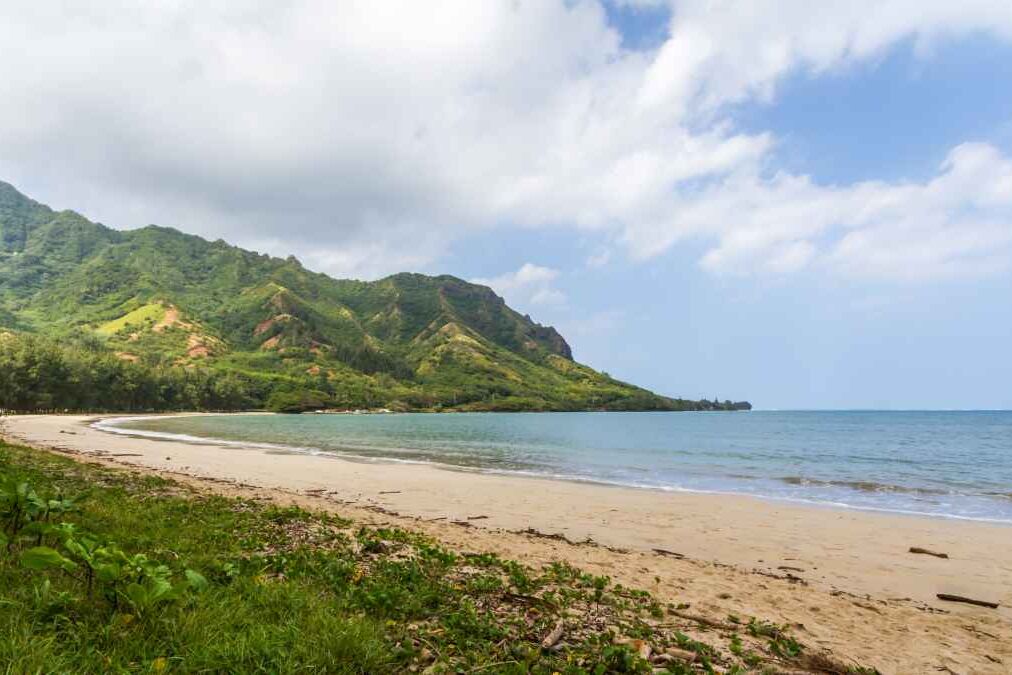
x=104, y=570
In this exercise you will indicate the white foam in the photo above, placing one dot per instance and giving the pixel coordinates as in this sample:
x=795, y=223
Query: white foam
x=110, y=425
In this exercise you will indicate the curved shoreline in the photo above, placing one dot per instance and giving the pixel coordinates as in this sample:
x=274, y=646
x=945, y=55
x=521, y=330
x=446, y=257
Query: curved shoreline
x=738, y=529
x=108, y=424
x=846, y=576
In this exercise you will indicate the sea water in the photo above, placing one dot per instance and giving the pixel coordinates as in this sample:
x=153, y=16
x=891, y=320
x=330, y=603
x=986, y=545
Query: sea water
x=949, y=464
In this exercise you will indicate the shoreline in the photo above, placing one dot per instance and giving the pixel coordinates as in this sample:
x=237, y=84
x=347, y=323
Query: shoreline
x=845, y=574
x=107, y=424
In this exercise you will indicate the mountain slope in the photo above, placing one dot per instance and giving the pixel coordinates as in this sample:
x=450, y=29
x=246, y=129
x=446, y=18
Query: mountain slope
x=162, y=299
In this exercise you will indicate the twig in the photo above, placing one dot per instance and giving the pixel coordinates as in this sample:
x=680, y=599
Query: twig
x=701, y=620
x=970, y=601
x=924, y=551
x=554, y=636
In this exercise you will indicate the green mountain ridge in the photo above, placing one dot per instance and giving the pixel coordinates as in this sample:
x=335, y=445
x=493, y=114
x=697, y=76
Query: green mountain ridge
x=161, y=301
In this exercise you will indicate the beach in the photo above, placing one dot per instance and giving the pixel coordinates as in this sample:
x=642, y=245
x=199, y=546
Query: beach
x=846, y=579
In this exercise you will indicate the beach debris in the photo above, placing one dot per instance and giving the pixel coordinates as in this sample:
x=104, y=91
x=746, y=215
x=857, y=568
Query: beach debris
x=672, y=554
x=701, y=620
x=675, y=653
x=558, y=536
x=948, y=597
x=786, y=576
x=390, y=492
x=477, y=517
x=788, y=568
x=980, y=633
x=126, y=454
x=924, y=551
x=554, y=636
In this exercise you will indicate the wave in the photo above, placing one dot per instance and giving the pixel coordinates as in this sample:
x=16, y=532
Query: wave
x=864, y=486
x=888, y=488
x=546, y=473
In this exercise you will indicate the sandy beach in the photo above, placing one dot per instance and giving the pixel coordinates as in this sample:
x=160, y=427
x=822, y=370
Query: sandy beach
x=844, y=578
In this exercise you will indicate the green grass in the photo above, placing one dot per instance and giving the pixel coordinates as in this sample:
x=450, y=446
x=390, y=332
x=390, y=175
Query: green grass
x=294, y=591
x=144, y=316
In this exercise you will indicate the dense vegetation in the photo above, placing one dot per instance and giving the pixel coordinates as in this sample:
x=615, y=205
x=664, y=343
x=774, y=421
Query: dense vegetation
x=106, y=571
x=198, y=324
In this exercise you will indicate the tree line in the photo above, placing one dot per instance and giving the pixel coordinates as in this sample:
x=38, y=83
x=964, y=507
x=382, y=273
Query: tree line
x=39, y=374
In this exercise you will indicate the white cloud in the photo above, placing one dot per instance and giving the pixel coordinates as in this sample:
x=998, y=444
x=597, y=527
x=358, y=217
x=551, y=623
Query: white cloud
x=722, y=51
x=529, y=284
x=366, y=136
x=956, y=224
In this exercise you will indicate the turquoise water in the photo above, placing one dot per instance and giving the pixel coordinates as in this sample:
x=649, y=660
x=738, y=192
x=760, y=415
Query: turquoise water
x=955, y=464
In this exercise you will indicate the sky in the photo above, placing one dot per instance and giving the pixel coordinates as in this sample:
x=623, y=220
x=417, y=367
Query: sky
x=806, y=205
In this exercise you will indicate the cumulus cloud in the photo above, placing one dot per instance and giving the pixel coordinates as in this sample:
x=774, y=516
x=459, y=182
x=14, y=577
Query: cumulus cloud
x=956, y=224
x=366, y=136
x=529, y=284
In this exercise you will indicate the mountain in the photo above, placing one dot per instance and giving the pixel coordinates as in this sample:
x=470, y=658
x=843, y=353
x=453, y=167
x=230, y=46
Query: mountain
x=164, y=300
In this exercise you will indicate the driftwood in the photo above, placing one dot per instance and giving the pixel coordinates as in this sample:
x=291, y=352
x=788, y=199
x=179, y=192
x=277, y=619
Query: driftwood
x=672, y=554
x=702, y=620
x=924, y=551
x=554, y=636
x=477, y=517
x=970, y=601
x=680, y=654
x=788, y=568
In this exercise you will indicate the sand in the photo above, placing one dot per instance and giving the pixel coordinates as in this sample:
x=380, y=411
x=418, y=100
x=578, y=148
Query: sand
x=856, y=590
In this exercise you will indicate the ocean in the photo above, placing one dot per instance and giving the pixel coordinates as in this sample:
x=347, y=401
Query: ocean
x=943, y=464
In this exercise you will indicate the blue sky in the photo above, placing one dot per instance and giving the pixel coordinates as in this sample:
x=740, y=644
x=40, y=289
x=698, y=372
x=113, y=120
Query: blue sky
x=806, y=342
x=708, y=198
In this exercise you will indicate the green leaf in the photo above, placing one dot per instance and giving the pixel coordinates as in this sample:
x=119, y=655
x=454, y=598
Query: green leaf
x=3, y=539
x=197, y=580
x=43, y=557
x=161, y=589
x=108, y=572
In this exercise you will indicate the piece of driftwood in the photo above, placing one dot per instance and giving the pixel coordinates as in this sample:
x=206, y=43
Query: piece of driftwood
x=970, y=601
x=672, y=554
x=924, y=551
x=477, y=517
x=680, y=654
x=701, y=620
x=390, y=492
x=554, y=636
